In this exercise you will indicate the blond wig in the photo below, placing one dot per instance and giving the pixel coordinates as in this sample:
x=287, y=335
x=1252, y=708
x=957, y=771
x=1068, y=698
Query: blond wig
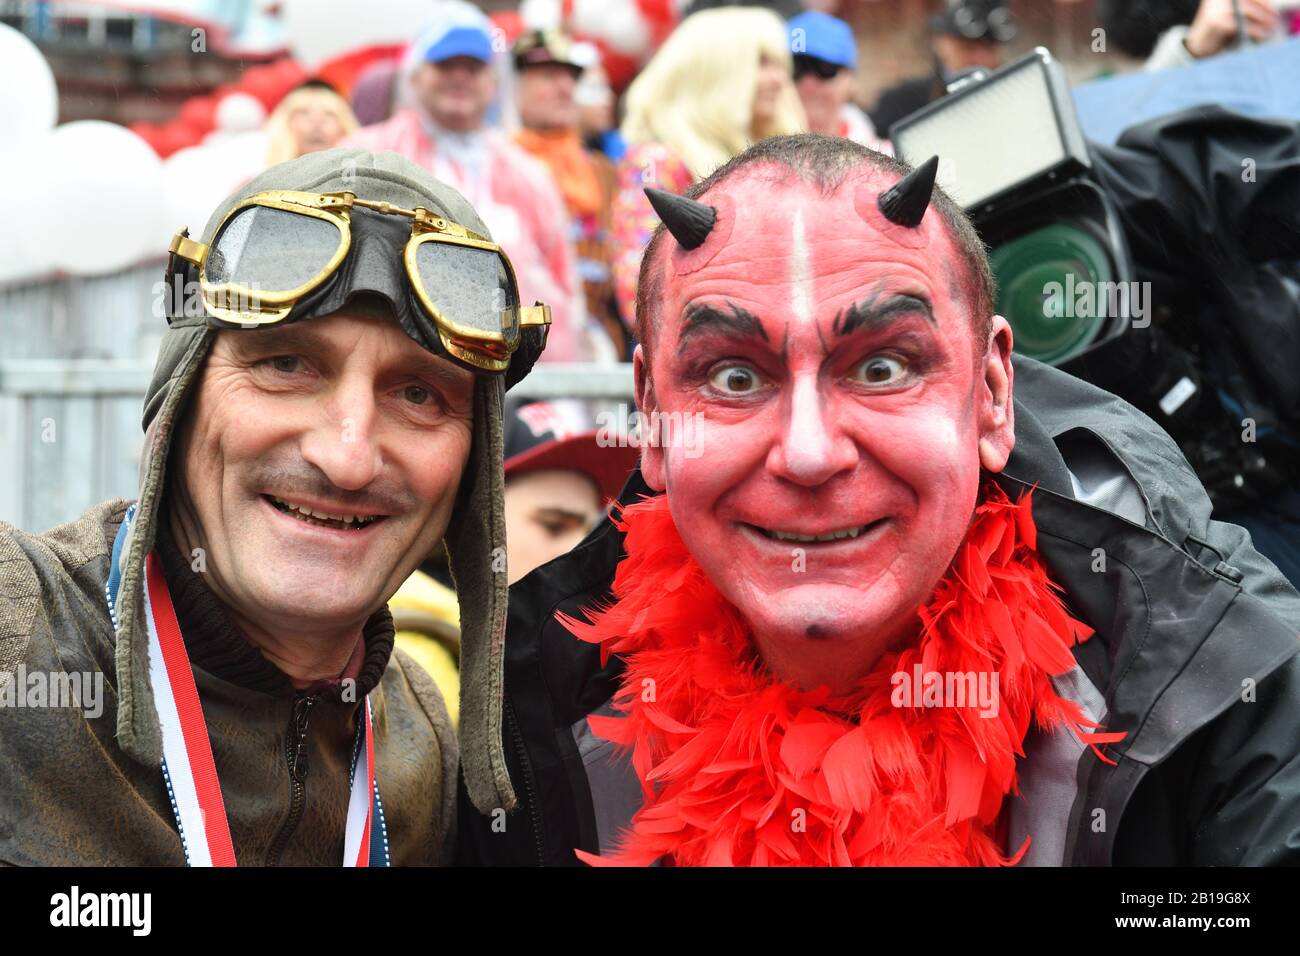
x=696, y=95
x=281, y=144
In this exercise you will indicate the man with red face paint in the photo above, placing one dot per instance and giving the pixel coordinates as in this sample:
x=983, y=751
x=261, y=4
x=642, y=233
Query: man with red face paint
x=881, y=594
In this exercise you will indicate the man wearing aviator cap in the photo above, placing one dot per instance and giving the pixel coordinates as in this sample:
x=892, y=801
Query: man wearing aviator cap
x=330, y=413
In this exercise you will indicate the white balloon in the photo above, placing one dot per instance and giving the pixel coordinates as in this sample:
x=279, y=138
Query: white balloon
x=198, y=178
x=627, y=31
x=319, y=30
x=104, y=185
x=191, y=185
x=29, y=100
x=239, y=113
x=585, y=54
x=619, y=23
x=541, y=14
x=25, y=247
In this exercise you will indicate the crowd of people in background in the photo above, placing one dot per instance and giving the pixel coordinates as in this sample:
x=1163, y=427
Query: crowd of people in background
x=559, y=176
x=560, y=182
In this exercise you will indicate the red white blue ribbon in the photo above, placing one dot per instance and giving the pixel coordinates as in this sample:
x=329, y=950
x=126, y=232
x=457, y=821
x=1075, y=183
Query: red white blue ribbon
x=188, y=767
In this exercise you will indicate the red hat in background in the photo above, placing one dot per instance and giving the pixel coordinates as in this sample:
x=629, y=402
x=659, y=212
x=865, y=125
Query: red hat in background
x=565, y=434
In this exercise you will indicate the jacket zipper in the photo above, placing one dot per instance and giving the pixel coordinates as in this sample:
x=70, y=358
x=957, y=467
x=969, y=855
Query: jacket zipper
x=295, y=755
x=530, y=792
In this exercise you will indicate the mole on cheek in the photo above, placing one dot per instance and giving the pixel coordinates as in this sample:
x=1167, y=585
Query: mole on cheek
x=816, y=632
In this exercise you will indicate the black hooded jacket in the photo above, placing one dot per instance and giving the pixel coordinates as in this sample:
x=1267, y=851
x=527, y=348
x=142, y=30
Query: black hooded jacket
x=1194, y=657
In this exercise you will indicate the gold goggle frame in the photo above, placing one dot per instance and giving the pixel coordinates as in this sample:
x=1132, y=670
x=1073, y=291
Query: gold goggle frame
x=234, y=303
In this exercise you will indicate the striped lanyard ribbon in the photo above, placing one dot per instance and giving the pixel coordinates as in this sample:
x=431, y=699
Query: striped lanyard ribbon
x=187, y=765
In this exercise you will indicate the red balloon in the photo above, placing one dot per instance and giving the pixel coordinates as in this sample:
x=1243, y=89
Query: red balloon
x=267, y=90
x=199, y=112
x=342, y=71
x=510, y=22
x=290, y=69
x=173, y=137
x=620, y=68
x=659, y=11
x=288, y=74
x=269, y=83
x=221, y=92
x=661, y=17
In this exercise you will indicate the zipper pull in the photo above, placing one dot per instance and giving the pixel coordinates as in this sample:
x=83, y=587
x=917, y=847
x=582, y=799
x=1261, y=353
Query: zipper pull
x=302, y=706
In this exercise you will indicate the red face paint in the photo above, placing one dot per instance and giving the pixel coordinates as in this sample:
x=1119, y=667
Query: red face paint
x=825, y=376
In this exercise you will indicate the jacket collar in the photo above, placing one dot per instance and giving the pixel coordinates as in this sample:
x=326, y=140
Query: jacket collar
x=215, y=645
x=1035, y=459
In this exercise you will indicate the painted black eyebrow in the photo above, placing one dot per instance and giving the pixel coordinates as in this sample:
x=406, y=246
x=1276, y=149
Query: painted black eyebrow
x=699, y=318
x=871, y=313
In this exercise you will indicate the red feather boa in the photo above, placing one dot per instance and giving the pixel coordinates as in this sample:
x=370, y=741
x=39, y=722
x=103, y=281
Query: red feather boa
x=740, y=769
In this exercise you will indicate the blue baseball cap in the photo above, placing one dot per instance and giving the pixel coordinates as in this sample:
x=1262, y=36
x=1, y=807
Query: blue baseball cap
x=460, y=41
x=825, y=37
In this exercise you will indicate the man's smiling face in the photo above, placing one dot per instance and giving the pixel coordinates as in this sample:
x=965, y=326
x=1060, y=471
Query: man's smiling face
x=343, y=416
x=842, y=410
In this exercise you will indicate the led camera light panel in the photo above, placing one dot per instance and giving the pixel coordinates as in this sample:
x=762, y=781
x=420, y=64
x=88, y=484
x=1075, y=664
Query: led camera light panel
x=997, y=133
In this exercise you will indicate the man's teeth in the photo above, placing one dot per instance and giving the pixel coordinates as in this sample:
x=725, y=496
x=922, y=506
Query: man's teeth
x=811, y=538
x=320, y=517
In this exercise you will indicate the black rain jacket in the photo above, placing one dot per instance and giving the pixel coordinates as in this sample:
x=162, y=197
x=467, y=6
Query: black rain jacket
x=1194, y=657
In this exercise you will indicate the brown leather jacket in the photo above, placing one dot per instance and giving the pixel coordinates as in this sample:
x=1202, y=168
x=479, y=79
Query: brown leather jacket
x=69, y=794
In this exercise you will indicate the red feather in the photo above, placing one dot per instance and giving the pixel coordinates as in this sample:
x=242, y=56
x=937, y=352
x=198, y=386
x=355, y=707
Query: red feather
x=740, y=769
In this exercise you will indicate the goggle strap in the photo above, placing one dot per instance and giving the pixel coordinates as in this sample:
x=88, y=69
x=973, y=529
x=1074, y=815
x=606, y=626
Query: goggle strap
x=534, y=315
x=185, y=247
x=177, y=275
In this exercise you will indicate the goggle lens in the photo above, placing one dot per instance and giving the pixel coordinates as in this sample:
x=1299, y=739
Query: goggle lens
x=469, y=287
x=268, y=250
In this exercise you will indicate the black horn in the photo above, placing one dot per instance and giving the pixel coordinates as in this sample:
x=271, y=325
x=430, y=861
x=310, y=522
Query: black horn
x=905, y=202
x=689, y=221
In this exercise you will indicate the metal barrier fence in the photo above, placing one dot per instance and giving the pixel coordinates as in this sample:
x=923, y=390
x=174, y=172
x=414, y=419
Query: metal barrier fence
x=70, y=431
